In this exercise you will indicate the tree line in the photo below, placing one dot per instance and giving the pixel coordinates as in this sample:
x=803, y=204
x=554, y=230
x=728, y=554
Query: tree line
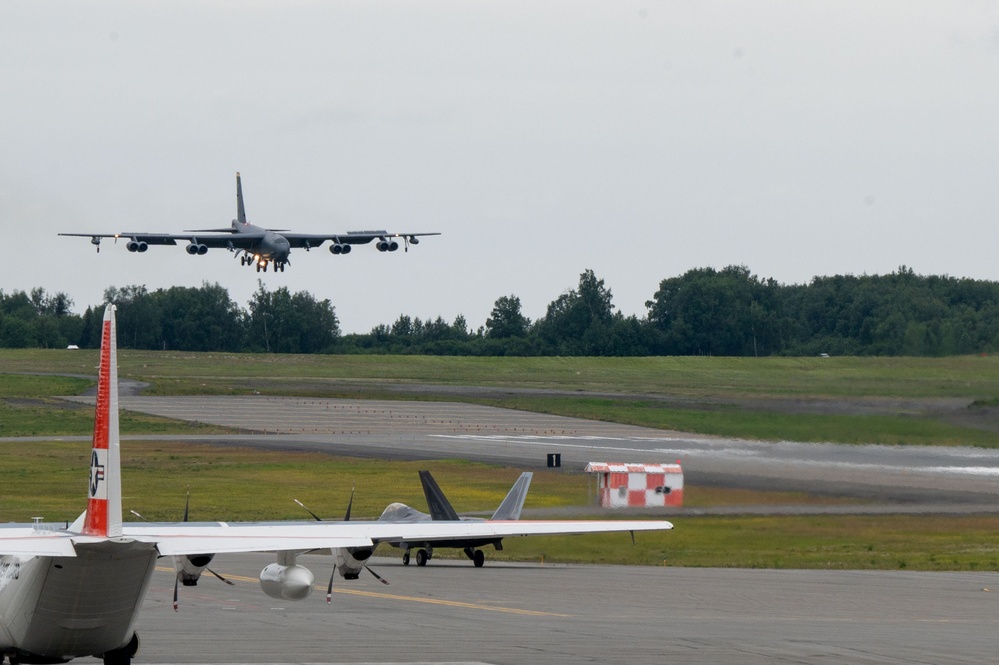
x=727, y=312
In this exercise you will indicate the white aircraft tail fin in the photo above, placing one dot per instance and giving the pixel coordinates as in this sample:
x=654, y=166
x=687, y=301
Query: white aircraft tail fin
x=103, y=516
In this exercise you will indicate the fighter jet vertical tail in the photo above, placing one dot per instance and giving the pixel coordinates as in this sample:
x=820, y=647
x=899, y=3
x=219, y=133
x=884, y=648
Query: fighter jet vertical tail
x=440, y=507
x=103, y=516
x=513, y=503
x=240, y=210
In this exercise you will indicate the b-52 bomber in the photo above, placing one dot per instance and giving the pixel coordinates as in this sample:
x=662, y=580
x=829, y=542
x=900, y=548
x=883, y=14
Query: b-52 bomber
x=255, y=245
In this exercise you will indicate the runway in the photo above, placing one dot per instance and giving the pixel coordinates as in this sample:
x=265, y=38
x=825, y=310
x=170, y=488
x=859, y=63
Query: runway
x=432, y=430
x=512, y=614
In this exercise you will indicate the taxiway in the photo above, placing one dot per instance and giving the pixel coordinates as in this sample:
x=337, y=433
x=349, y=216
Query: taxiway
x=512, y=614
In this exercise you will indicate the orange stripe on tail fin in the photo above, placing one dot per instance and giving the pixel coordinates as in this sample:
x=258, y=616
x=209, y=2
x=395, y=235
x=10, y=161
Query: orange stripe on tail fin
x=104, y=500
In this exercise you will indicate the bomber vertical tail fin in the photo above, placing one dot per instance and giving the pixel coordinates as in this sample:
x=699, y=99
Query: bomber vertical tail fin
x=103, y=516
x=440, y=507
x=513, y=503
x=240, y=210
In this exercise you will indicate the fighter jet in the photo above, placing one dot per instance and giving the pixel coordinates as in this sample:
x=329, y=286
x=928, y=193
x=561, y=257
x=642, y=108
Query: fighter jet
x=254, y=245
x=76, y=590
x=441, y=510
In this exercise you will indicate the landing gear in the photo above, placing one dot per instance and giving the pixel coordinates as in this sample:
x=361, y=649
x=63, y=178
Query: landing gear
x=123, y=655
x=478, y=557
x=405, y=558
x=422, y=557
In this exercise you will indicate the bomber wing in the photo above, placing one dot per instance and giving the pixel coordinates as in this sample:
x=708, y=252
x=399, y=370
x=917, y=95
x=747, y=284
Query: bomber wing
x=309, y=240
x=215, y=240
x=148, y=238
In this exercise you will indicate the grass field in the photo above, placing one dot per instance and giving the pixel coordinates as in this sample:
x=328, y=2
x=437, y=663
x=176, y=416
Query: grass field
x=970, y=377
x=733, y=421
x=238, y=484
x=27, y=409
x=736, y=397
x=894, y=542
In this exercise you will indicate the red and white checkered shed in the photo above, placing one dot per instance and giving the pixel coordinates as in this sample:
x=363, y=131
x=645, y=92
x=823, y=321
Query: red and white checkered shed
x=627, y=485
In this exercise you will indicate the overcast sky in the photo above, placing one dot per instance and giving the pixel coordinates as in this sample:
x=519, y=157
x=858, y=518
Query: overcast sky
x=636, y=139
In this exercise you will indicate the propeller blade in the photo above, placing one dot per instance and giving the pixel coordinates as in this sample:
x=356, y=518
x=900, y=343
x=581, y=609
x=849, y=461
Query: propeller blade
x=329, y=589
x=377, y=576
x=346, y=517
x=187, y=504
x=138, y=515
x=229, y=582
x=318, y=519
x=176, y=586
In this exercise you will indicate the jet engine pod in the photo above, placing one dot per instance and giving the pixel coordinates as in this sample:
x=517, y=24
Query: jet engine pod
x=195, y=248
x=387, y=245
x=336, y=249
x=142, y=246
x=287, y=582
x=136, y=246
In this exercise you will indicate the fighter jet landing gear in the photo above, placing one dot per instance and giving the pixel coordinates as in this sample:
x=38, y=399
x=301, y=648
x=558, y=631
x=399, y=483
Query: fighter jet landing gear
x=424, y=555
x=478, y=557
